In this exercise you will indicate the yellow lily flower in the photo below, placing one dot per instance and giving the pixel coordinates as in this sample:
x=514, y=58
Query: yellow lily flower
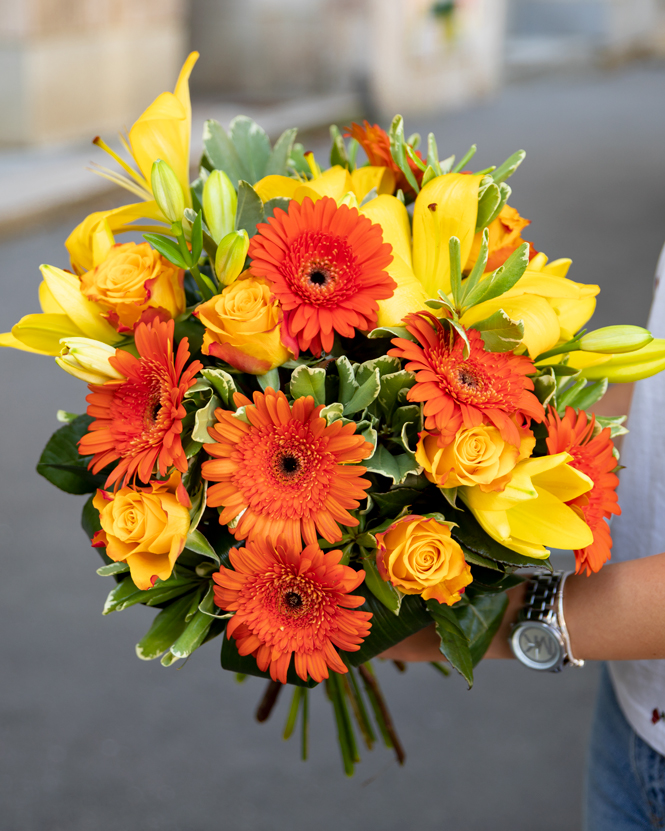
x=551, y=307
x=530, y=513
x=335, y=182
x=446, y=207
x=66, y=313
x=624, y=367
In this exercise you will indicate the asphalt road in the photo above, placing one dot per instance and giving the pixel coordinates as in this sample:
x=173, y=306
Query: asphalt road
x=94, y=739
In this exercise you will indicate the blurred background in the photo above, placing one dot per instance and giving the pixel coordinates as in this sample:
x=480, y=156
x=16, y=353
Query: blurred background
x=93, y=739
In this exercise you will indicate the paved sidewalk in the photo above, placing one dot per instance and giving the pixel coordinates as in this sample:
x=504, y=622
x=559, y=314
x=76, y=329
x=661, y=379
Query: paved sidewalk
x=37, y=184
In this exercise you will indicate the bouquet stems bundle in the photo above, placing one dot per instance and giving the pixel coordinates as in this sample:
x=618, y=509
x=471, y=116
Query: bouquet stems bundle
x=328, y=407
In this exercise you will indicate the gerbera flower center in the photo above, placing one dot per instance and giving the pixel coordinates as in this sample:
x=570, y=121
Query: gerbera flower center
x=293, y=600
x=288, y=464
x=319, y=278
x=321, y=269
x=467, y=378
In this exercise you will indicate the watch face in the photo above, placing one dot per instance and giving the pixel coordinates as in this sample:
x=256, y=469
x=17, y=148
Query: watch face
x=536, y=645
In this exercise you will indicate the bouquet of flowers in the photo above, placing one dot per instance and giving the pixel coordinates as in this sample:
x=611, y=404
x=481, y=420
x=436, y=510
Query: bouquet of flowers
x=328, y=407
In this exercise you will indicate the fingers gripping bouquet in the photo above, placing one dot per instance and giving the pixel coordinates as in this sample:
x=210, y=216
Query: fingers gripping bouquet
x=327, y=407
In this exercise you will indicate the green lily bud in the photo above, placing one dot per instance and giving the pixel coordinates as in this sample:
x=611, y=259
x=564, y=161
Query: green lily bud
x=615, y=339
x=630, y=366
x=230, y=257
x=88, y=360
x=167, y=191
x=220, y=202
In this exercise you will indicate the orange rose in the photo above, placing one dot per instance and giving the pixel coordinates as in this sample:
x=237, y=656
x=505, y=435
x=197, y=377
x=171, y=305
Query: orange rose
x=505, y=236
x=243, y=326
x=145, y=528
x=134, y=282
x=476, y=456
x=418, y=556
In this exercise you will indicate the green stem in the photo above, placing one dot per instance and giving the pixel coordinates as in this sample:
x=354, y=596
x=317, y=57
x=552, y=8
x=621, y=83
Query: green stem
x=359, y=711
x=293, y=713
x=305, y=723
x=342, y=735
x=203, y=283
x=570, y=346
x=439, y=667
x=381, y=711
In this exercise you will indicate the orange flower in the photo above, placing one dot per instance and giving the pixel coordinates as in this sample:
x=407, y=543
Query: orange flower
x=574, y=434
x=138, y=420
x=144, y=527
x=285, y=473
x=376, y=143
x=135, y=283
x=327, y=269
x=505, y=236
x=418, y=556
x=486, y=387
x=287, y=600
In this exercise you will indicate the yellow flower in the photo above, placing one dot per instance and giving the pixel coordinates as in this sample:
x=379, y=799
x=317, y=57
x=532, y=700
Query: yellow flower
x=335, y=182
x=530, y=513
x=505, y=236
x=88, y=360
x=551, y=307
x=624, y=367
x=243, y=326
x=144, y=528
x=418, y=556
x=132, y=279
x=66, y=313
x=476, y=456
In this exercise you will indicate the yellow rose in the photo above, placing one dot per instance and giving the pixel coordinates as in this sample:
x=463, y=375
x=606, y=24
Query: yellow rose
x=418, y=556
x=476, y=456
x=243, y=326
x=145, y=528
x=132, y=280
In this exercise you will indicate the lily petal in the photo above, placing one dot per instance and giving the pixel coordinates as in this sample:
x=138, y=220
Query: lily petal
x=391, y=215
x=85, y=315
x=42, y=333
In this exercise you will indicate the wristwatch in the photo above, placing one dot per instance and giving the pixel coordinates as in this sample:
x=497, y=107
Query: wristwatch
x=540, y=639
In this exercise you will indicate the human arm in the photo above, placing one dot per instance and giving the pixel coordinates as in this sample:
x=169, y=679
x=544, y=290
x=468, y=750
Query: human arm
x=614, y=615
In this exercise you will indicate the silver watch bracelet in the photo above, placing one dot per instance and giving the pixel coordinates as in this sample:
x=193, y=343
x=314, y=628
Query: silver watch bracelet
x=561, y=620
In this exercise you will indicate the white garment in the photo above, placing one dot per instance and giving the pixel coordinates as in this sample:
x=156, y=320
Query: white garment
x=640, y=529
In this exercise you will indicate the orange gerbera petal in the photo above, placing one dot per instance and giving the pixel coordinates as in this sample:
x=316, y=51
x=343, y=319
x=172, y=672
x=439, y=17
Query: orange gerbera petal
x=486, y=387
x=327, y=268
x=376, y=143
x=284, y=473
x=292, y=601
x=138, y=420
x=592, y=454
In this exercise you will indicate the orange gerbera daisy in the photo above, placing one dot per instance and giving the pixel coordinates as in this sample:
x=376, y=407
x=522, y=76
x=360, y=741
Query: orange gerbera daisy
x=138, y=420
x=287, y=600
x=486, y=387
x=286, y=473
x=376, y=143
x=327, y=268
x=574, y=434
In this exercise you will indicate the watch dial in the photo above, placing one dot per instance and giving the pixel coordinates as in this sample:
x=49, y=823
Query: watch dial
x=539, y=646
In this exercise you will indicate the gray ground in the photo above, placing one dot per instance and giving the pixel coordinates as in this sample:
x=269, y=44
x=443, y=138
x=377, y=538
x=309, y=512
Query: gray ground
x=94, y=739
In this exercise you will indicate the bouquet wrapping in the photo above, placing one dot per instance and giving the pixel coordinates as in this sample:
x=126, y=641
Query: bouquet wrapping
x=327, y=407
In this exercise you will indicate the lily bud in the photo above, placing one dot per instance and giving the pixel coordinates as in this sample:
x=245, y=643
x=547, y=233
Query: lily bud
x=626, y=367
x=220, y=202
x=230, y=257
x=88, y=360
x=615, y=339
x=167, y=191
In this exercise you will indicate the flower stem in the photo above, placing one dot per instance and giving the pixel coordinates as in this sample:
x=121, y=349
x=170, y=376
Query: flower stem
x=305, y=723
x=359, y=710
x=381, y=711
x=268, y=701
x=293, y=713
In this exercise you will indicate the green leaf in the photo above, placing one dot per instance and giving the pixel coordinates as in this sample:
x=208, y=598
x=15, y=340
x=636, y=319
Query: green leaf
x=61, y=463
x=249, y=213
x=455, y=270
x=615, y=423
x=503, y=279
x=221, y=152
x=269, y=379
x=192, y=329
x=387, y=627
x=126, y=594
x=447, y=164
x=391, y=385
x=398, y=151
x=487, y=205
x=384, y=363
x=395, y=500
x=197, y=238
x=199, y=544
x=252, y=144
x=372, y=193
x=390, y=332
x=499, y=332
x=396, y=468
x=364, y=395
x=277, y=164
x=167, y=248
x=433, y=155
x=333, y=412
x=566, y=397
x=405, y=415
x=591, y=393
x=196, y=630
x=504, y=193
x=466, y=158
x=544, y=386
x=454, y=644
x=507, y=169
x=166, y=628
x=205, y=418
x=246, y=665
x=90, y=522
x=223, y=384
x=338, y=155
x=309, y=381
x=112, y=568
x=478, y=269
x=348, y=385
x=480, y=620
x=380, y=588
